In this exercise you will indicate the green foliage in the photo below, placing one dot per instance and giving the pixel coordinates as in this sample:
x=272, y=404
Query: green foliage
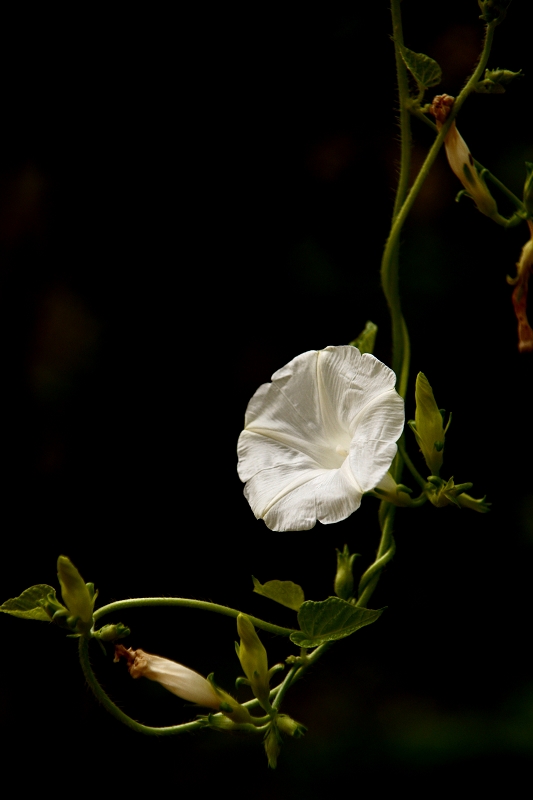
x=424, y=69
x=286, y=593
x=329, y=620
x=366, y=340
x=32, y=603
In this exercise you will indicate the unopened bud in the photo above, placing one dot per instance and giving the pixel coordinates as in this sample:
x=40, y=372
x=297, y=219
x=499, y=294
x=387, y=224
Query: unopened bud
x=78, y=596
x=428, y=426
x=253, y=658
x=344, y=576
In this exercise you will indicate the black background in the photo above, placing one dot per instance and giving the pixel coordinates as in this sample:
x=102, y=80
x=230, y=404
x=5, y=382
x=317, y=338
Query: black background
x=184, y=207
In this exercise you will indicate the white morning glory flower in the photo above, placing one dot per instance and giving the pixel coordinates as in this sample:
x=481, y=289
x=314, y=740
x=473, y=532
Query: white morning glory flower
x=318, y=437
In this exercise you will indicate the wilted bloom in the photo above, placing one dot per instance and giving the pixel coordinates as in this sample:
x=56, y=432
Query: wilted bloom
x=461, y=160
x=182, y=681
x=318, y=437
x=521, y=282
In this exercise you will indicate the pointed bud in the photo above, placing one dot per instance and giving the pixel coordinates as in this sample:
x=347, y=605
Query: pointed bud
x=78, y=596
x=273, y=742
x=253, y=658
x=428, y=425
x=344, y=577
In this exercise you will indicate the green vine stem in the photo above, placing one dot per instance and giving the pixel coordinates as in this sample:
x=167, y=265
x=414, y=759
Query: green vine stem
x=183, y=602
x=389, y=263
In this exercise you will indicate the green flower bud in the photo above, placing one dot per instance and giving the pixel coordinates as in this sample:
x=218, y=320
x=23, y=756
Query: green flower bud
x=253, y=658
x=428, y=425
x=273, y=742
x=344, y=577
x=290, y=727
x=493, y=10
x=78, y=596
x=108, y=633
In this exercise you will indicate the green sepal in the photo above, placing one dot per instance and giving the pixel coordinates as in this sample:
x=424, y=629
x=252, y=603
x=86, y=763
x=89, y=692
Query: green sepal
x=465, y=501
x=221, y=723
x=367, y=338
x=330, y=620
x=290, y=727
x=443, y=493
x=108, y=633
x=424, y=69
x=286, y=593
x=38, y=602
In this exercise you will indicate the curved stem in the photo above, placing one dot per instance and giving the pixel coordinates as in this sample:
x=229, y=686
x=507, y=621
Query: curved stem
x=182, y=602
x=110, y=706
x=387, y=548
x=389, y=263
x=409, y=464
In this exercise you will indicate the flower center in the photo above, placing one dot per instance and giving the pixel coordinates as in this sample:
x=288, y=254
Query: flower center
x=341, y=451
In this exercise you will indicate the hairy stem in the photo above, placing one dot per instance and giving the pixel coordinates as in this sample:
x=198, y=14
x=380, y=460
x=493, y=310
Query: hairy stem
x=183, y=602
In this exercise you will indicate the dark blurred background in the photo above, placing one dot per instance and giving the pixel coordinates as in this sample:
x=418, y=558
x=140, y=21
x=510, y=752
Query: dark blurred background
x=184, y=207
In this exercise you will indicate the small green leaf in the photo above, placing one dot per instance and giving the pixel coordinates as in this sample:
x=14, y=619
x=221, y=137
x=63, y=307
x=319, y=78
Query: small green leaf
x=424, y=69
x=329, y=620
x=286, y=593
x=31, y=603
x=367, y=338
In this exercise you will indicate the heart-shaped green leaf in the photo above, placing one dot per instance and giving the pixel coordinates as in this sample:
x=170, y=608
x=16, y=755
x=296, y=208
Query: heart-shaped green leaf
x=30, y=604
x=424, y=69
x=285, y=592
x=329, y=620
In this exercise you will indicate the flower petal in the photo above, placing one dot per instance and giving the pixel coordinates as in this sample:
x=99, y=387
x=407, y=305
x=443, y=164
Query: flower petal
x=180, y=680
x=373, y=446
x=328, y=497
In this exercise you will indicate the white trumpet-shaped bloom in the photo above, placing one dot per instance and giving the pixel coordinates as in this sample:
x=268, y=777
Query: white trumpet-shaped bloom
x=318, y=437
